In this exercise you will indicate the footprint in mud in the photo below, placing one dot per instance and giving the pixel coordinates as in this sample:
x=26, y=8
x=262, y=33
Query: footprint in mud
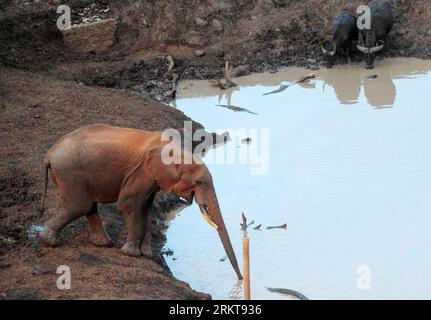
x=20, y=294
x=34, y=230
x=91, y=260
x=40, y=269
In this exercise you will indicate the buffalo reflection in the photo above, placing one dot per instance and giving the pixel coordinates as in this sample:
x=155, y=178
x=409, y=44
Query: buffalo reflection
x=346, y=83
x=379, y=88
x=380, y=92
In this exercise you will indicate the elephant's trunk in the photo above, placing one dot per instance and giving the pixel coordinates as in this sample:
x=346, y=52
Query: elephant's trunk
x=213, y=211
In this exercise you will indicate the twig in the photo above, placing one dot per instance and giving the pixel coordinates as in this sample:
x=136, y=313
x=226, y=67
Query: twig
x=289, y=292
x=244, y=225
x=283, y=226
x=244, y=222
x=285, y=86
x=227, y=77
x=171, y=63
x=235, y=108
x=306, y=77
x=172, y=93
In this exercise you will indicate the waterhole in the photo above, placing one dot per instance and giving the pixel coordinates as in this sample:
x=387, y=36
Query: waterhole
x=349, y=172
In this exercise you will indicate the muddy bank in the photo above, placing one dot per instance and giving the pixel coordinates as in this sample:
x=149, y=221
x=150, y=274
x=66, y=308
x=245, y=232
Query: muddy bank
x=36, y=110
x=48, y=88
x=256, y=35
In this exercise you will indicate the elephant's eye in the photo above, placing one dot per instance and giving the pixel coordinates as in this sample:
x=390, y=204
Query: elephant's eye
x=199, y=182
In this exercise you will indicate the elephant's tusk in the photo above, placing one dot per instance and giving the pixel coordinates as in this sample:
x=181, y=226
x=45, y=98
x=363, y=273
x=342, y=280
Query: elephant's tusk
x=204, y=212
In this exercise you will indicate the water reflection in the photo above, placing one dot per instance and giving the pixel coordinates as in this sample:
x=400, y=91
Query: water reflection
x=352, y=183
x=346, y=84
x=236, y=291
x=347, y=81
x=228, y=94
x=381, y=93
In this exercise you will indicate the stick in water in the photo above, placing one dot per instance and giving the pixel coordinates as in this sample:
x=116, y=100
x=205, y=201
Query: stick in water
x=283, y=226
x=246, y=263
x=244, y=225
x=246, y=258
x=289, y=292
x=244, y=222
x=285, y=86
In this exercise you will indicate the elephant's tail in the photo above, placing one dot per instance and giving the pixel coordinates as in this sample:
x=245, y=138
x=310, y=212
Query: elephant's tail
x=41, y=209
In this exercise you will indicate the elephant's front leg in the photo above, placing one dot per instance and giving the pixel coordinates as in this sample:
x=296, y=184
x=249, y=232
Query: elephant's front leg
x=135, y=232
x=132, y=213
x=148, y=223
x=132, y=203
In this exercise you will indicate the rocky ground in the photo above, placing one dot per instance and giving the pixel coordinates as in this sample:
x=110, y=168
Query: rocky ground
x=199, y=35
x=53, y=82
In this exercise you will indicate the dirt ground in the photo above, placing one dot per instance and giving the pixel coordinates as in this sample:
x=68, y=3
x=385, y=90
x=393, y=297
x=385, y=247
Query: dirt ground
x=35, y=111
x=48, y=89
x=255, y=35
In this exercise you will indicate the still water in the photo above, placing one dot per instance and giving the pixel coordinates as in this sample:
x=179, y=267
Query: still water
x=349, y=172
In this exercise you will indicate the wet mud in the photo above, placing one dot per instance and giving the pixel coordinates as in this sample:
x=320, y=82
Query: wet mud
x=48, y=89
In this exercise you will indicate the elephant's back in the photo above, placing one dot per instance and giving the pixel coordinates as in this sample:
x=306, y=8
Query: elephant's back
x=99, y=146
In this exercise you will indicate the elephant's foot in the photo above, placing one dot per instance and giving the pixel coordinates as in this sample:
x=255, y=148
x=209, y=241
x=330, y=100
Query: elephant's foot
x=48, y=236
x=146, y=251
x=131, y=248
x=101, y=240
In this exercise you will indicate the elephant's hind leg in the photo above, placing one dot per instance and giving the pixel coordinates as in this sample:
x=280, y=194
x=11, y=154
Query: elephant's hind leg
x=98, y=234
x=76, y=204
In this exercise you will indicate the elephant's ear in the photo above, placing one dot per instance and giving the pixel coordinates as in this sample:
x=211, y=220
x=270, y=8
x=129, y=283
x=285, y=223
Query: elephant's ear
x=165, y=175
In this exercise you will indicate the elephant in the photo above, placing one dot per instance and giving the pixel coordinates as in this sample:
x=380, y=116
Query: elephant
x=104, y=164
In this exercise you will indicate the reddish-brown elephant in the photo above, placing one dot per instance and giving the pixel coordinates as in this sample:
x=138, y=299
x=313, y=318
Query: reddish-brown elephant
x=103, y=164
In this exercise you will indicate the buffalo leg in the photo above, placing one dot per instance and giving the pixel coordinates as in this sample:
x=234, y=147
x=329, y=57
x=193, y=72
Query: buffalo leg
x=98, y=235
x=349, y=53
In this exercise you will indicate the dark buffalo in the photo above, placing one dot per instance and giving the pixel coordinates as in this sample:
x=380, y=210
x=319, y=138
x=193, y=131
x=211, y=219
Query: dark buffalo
x=375, y=39
x=345, y=34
